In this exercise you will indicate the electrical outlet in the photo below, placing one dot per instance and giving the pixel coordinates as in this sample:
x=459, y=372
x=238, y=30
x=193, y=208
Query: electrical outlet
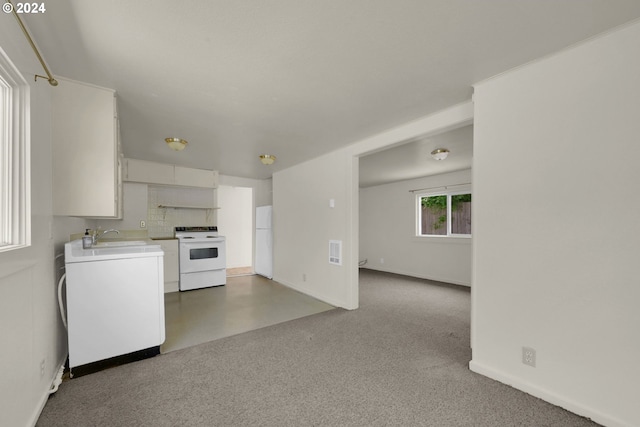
x=529, y=356
x=143, y=223
x=42, y=365
x=304, y=277
x=381, y=260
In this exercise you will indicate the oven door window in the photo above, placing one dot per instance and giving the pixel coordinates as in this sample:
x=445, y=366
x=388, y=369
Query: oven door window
x=202, y=256
x=203, y=253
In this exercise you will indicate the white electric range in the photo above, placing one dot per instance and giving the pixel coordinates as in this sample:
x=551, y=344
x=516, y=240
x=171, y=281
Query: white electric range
x=202, y=257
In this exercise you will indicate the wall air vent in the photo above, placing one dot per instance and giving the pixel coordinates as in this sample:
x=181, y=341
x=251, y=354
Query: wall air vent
x=335, y=252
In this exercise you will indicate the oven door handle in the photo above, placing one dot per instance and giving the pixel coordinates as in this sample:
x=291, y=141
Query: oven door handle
x=200, y=245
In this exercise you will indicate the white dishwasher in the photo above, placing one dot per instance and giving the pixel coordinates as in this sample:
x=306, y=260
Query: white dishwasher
x=115, y=301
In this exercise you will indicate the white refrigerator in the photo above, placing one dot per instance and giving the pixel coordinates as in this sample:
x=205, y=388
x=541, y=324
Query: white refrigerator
x=264, y=242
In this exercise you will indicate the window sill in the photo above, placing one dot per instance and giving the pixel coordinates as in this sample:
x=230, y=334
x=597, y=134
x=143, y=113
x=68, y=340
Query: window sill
x=450, y=240
x=9, y=248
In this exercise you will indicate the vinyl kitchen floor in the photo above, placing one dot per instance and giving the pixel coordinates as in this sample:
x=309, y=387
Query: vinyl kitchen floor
x=245, y=303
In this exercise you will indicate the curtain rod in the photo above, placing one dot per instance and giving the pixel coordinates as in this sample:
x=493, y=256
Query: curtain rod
x=444, y=187
x=50, y=79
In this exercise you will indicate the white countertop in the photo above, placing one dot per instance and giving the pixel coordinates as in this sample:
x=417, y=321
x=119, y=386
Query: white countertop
x=73, y=251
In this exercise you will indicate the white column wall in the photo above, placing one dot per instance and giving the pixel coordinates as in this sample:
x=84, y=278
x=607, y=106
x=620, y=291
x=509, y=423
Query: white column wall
x=303, y=224
x=556, y=227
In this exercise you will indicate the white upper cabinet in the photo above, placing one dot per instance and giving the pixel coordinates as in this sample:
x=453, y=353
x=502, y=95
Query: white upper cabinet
x=86, y=164
x=190, y=177
x=148, y=172
x=164, y=174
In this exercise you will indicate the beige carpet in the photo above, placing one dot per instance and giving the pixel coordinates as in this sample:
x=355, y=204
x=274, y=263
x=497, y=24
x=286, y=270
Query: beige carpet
x=399, y=360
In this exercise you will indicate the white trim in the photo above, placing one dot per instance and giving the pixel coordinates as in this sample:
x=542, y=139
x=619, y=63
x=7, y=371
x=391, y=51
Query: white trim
x=466, y=189
x=454, y=117
x=419, y=276
x=312, y=293
x=546, y=395
x=353, y=250
x=456, y=239
x=35, y=415
x=15, y=207
x=436, y=191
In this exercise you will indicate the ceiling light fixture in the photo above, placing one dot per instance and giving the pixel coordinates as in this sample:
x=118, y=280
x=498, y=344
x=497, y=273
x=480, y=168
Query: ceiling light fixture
x=267, y=159
x=176, y=144
x=440, y=153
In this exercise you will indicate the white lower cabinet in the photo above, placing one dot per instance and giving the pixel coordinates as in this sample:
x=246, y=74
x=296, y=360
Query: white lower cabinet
x=114, y=306
x=171, y=264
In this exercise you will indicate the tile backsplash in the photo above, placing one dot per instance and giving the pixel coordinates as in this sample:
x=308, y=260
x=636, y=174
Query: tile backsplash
x=185, y=207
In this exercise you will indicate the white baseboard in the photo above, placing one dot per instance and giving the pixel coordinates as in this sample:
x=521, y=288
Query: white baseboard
x=343, y=304
x=548, y=396
x=420, y=276
x=171, y=287
x=312, y=293
x=45, y=396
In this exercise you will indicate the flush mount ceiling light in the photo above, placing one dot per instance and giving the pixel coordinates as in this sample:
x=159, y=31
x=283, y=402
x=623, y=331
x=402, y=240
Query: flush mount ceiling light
x=267, y=159
x=440, y=153
x=176, y=144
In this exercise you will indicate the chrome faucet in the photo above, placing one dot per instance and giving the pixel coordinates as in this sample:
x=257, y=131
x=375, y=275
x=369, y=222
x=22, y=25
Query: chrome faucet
x=96, y=236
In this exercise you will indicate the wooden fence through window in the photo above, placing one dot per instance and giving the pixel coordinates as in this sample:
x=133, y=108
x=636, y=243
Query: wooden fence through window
x=432, y=223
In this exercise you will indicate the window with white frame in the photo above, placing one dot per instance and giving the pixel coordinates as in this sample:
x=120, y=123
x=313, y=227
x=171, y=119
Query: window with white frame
x=446, y=214
x=15, y=213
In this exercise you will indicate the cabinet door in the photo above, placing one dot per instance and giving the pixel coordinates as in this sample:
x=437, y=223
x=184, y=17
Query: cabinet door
x=189, y=177
x=114, y=307
x=149, y=172
x=85, y=151
x=171, y=267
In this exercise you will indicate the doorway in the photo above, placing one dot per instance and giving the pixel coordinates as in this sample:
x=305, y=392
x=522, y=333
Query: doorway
x=401, y=177
x=430, y=127
x=235, y=222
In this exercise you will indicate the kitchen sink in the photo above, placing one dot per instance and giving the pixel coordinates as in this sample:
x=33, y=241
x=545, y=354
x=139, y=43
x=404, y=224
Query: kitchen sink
x=109, y=250
x=119, y=243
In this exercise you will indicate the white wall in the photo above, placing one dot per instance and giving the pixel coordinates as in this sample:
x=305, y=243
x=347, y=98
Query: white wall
x=304, y=223
x=263, y=192
x=262, y=188
x=236, y=223
x=134, y=208
x=556, y=227
x=31, y=328
x=388, y=232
